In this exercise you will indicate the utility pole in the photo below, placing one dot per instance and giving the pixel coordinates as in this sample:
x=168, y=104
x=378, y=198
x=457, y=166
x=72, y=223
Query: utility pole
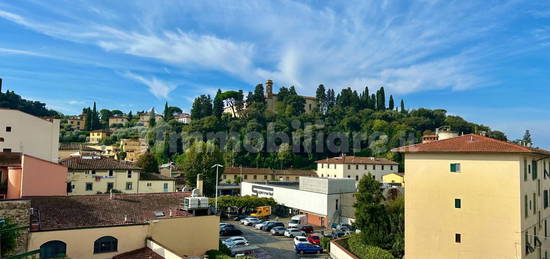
x=217, y=166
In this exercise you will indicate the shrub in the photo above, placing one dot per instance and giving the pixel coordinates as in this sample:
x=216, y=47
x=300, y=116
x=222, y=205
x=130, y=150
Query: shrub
x=325, y=243
x=362, y=250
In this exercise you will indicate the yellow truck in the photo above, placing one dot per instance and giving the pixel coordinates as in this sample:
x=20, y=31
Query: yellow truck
x=262, y=212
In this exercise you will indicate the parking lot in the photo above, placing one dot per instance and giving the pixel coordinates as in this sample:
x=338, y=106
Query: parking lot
x=271, y=246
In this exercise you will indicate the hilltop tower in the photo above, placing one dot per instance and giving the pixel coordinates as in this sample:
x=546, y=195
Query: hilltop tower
x=269, y=89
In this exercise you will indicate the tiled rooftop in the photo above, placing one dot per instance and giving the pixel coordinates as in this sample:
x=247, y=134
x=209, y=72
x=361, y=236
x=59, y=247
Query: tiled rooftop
x=143, y=253
x=96, y=163
x=76, y=146
x=267, y=171
x=470, y=143
x=357, y=160
x=61, y=212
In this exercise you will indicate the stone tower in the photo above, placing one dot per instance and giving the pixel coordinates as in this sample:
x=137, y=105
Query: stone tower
x=269, y=88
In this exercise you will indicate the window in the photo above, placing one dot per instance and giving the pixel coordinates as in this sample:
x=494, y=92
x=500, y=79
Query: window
x=255, y=177
x=455, y=168
x=545, y=198
x=391, y=167
x=535, y=170
x=165, y=187
x=8, y=129
x=458, y=238
x=245, y=176
x=129, y=173
x=265, y=177
x=105, y=244
x=349, y=167
x=149, y=184
x=129, y=186
x=53, y=249
x=545, y=228
x=1, y=139
x=69, y=187
x=322, y=165
x=382, y=167
x=357, y=178
x=458, y=203
x=89, y=186
x=93, y=171
x=356, y=167
x=526, y=202
x=110, y=172
x=336, y=204
x=110, y=186
x=365, y=167
x=373, y=167
x=525, y=169
x=534, y=203
x=224, y=176
x=349, y=176
x=7, y=150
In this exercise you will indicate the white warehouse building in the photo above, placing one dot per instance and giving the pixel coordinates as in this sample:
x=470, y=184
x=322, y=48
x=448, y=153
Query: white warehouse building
x=324, y=201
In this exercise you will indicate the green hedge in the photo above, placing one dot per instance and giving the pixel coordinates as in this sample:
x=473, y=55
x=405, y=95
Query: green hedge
x=362, y=250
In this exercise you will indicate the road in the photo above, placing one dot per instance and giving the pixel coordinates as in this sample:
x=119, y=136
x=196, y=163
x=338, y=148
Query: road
x=272, y=247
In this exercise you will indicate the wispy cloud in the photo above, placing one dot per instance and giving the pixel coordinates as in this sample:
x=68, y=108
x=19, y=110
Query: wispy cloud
x=158, y=88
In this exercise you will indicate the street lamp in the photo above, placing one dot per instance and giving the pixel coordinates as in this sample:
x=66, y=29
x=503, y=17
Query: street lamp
x=217, y=166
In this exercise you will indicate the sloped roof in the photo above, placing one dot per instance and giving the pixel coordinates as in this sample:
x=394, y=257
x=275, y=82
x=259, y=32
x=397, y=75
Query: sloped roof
x=61, y=212
x=470, y=143
x=142, y=253
x=357, y=160
x=96, y=163
x=75, y=146
x=267, y=171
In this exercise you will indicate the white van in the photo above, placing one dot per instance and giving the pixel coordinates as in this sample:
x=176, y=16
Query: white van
x=297, y=221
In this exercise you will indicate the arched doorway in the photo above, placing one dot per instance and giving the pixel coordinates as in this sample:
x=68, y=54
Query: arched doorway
x=53, y=249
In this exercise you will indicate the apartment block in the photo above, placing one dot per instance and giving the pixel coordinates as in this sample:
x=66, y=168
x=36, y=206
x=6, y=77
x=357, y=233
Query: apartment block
x=476, y=197
x=24, y=133
x=355, y=167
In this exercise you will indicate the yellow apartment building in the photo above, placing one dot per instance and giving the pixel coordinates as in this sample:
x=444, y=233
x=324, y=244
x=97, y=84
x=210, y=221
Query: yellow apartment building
x=91, y=174
x=117, y=120
x=133, y=148
x=76, y=123
x=97, y=136
x=476, y=197
x=394, y=178
x=246, y=174
x=355, y=167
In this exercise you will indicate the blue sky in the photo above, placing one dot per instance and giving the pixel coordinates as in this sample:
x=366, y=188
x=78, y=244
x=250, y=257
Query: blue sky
x=487, y=61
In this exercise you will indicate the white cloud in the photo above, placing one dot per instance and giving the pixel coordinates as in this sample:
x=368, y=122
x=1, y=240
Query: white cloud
x=158, y=88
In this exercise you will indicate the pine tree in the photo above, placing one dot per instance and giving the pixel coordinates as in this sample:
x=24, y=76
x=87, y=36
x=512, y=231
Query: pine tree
x=218, y=104
x=527, y=138
x=391, y=104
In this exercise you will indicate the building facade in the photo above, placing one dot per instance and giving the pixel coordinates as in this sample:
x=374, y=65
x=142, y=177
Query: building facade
x=117, y=120
x=354, y=167
x=246, y=174
x=476, y=197
x=76, y=123
x=97, y=136
x=24, y=133
x=324, y=201
x=133, y=148
x=113, y=226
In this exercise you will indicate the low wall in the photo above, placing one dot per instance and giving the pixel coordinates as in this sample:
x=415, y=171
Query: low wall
x=337, y=251
x=158, y=249
x=17, y=212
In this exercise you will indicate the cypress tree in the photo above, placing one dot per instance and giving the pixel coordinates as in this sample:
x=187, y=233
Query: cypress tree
x=372, y=102
x=218, y=104
x=95, y=119
x=321, y=98
x=402, y=106
x=391, y=104
x=380, y=99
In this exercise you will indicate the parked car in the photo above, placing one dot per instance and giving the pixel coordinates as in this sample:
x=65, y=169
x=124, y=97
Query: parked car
x=271, y=225
x=233, y=239
x=236, y=243
x=306, y=228
x=223, y=224
x=278, y=231
x=253, y=223
x=314, y=239
x=229, y=230
x=307, y=248
x=300, y=239
x=240, y=217
x=292, y=232
x=246, y=219
x=261, y=224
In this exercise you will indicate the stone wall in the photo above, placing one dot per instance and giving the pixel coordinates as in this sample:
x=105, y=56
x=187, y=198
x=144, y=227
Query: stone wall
x=18, y=212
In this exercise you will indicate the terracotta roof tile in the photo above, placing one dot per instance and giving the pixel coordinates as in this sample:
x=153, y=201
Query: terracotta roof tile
x=61, y=212
x=470, y=143
x=96, y=163
x=357, y=160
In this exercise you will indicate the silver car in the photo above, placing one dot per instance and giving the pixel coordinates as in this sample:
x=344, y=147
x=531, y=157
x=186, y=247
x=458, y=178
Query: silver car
x=278, y=231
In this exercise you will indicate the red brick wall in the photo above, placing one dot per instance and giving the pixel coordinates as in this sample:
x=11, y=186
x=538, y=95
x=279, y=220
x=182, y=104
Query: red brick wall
x=316, y=220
